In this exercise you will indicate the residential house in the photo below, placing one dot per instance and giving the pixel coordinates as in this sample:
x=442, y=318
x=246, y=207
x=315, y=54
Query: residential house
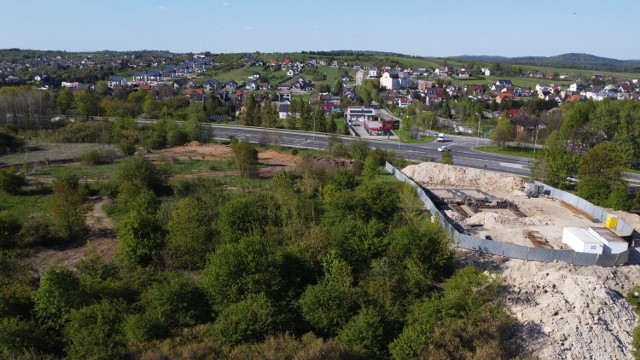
x=264, y=86
x=231, y=85
x=211, y=85
x=252, y=85
x=284, y=109
x=195, y=94
x=464, y=73
x=394, y=80
x=117, y=81
x=504, y=82
x=504, y=96
x=525, y=123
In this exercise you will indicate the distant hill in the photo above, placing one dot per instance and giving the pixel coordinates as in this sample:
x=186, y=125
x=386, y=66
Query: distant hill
x=571, y=60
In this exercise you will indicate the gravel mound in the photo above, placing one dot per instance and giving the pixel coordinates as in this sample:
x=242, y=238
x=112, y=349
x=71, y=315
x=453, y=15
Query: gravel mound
x=572, y=312
x=431, y=173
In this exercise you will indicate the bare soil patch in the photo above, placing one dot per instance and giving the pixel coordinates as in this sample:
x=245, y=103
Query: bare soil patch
x=101, y=234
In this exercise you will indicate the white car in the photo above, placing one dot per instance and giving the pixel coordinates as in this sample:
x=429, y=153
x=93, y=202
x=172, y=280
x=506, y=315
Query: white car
x=444, y=148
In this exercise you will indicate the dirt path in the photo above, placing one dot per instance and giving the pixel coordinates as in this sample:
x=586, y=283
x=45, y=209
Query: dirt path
x=101, y=234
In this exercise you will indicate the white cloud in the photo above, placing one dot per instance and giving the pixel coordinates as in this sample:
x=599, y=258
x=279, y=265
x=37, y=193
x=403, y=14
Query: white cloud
x=162, y=8
x=225, y=4
x=248, y=28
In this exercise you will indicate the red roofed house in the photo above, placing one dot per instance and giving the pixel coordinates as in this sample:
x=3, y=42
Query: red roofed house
x=574, y=98
x=502, y=96
x=514, y=112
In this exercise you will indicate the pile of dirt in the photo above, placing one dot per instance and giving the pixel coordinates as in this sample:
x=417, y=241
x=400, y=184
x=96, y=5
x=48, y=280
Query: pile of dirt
x=492, y=220
x=431, y=173
x=570, y=312
x=192, y=150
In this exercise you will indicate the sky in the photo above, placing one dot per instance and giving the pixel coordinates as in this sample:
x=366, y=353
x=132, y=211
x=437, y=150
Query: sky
x=412, y=27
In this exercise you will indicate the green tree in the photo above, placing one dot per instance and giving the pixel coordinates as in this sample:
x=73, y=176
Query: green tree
x=236, y=270
x=95, y=331
x=87, y=103
x=270, y=117
x=173, y=303
x=11, y=181
x=248, y=321
x=9, y=228
x=64, y=100
x=328, y=305
x=556, y=162
x=140, y=234
x=503, y=132
x=446, y=158
x=332, y=128
x=246, y=157
x=250, y=114
x=19, y=337
x=189, y=234
x=67, y=210
x=445, y=111
x=599, y=173
x=469, y=296
x=59, y=292
x=364, y=334
x=137, y=169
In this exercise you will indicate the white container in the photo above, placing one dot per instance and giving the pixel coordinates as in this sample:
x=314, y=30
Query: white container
x=613, y=244
x=581, y=240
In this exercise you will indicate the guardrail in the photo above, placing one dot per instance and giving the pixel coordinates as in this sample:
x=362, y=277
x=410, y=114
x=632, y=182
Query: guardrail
x=471, y=242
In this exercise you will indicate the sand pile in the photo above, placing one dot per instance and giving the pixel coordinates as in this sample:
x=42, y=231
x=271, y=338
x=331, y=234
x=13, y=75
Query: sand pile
x=572, y=312
x=492, y=220
x=431, y=173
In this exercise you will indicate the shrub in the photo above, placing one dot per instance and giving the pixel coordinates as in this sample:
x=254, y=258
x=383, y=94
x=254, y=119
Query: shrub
x=35, y=231
x=9, y=228
x=91, y=157
x=294, y=152
x=11, y=181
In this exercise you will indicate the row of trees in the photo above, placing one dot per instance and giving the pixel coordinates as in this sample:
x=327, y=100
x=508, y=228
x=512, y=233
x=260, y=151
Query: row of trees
x=302, y=116
x=596, y=142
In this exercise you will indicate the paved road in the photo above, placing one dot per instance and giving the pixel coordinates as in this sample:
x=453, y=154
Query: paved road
x=461, y=147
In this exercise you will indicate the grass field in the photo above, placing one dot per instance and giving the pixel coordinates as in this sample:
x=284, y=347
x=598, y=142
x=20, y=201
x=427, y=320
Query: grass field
x=31, y=201
x=525, y=152
x=97, y=172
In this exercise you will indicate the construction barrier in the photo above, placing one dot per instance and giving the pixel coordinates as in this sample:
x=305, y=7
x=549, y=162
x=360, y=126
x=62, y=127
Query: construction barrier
x=514, y=251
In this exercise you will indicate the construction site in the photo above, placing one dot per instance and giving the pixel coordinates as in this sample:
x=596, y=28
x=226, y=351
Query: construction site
x=500, y=207
x=566, y=311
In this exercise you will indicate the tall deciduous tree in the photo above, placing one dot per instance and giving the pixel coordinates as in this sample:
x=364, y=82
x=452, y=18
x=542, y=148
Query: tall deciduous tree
x=67, y=210
x=503, y=132
x=189, y=235
x=59, y=293
x=246, y=157
x=600, y=172
x=140, y=234
x=556, y=162
x=250, y=115
x=269, y=115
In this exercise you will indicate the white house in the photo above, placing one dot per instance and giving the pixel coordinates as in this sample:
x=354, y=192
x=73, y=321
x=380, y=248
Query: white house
x=394, y=80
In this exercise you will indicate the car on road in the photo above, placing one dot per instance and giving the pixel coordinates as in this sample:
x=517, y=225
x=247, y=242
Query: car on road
x=441, y=138
x=444, y=148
